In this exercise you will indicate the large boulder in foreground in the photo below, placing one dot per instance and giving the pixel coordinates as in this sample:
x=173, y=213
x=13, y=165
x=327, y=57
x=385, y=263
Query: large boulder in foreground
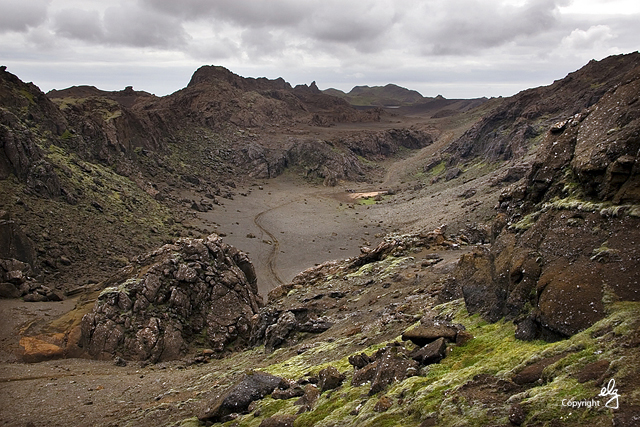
x=236, y=400
x=195, y=292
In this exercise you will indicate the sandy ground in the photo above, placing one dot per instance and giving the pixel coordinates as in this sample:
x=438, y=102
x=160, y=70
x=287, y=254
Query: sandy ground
x=290, y=226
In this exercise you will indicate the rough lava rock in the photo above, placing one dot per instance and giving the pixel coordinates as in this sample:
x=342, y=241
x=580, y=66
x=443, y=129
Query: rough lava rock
x=199, y=292
x=236, y=400
x=388, y=365
x=330, y=378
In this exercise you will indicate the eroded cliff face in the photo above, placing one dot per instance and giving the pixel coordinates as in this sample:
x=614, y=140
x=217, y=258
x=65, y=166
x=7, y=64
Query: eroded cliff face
x=330, y=160
x=573, y=225
x=516, y=125
x=82, y=159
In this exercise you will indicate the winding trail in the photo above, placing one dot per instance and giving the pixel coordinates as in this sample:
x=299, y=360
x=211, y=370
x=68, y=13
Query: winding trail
x=275, y=247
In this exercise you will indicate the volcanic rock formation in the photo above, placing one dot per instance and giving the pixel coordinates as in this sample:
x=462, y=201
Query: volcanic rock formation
x=198, y=292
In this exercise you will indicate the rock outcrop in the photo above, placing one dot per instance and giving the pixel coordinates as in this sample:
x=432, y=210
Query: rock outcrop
x=571, y=244
x=195, y=292
x=332, y=160
x=28, y=120
x=386, y=366
x=275, y=328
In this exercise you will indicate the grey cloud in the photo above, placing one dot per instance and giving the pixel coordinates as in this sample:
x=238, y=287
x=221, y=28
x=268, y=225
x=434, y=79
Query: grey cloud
x=462, y=27
x=137, y=27
x=20, y=15
x=260, y=42
x=363, y=24
x=373, y=42
x=126, y=25
x=242, y=12
x=79, y=24
x=435, y=27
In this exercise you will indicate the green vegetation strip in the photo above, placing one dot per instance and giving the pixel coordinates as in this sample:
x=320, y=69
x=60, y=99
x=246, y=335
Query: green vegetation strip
x=494, y=351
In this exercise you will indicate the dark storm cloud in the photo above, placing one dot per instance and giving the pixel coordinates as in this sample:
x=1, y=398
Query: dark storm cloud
x=20, y=15
x=255, y=29
x=261, y=41
x=298, y=22
x=135, y=26
x=442, y=43
x=435, y=27
x=361, y=25
x=79, y=24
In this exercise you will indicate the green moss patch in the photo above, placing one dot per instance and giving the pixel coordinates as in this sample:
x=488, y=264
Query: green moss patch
x=442, y=391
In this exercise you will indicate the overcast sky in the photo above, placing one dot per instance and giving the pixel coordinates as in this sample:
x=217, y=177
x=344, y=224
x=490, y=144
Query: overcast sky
x=457, y=48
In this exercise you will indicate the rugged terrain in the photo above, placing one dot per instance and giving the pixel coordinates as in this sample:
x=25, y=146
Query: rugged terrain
x=270, y=255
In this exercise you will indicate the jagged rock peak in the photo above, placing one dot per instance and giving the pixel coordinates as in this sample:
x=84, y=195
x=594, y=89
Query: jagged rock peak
x=312, y=88
x=212, y=74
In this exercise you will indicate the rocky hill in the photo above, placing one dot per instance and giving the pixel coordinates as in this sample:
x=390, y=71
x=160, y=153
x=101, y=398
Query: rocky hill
x=379, y=96
x=404, y=101
x=528, y=315
x=522, y=120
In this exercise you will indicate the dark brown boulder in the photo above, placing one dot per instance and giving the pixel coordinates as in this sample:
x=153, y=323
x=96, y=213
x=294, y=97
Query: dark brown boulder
x=9, y=290
x=365, y=374
x=533, y=372
x=288, y=393
x=236, y=400
x=430, y=353
x=359, y=361
x=425, y=334
x=388, y=365
x=330, y=378
x=15, y=244
x=308, y=399
x=393, y=365
x=277, y=333
x=516, y=414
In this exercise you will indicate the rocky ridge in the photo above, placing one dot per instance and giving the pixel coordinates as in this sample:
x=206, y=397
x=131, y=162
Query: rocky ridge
x=101, y=157
x=519, y=123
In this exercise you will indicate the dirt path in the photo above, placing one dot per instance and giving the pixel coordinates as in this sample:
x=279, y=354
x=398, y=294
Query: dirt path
x=273, y=254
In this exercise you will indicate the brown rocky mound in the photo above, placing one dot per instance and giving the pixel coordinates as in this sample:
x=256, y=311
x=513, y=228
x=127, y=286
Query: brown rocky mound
x=198, y=292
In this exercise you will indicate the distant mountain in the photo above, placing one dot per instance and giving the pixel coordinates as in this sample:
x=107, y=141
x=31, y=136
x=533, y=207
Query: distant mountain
x=126, y=97
x=379, y=96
